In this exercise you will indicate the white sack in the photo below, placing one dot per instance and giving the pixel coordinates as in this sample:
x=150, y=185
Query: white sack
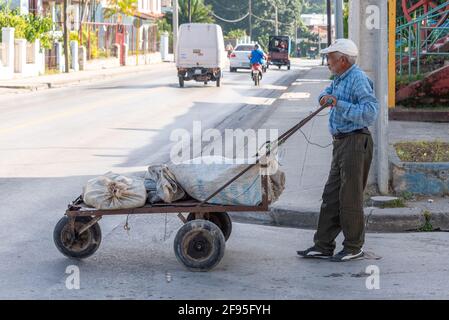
x=201, y=177
x=113, y=191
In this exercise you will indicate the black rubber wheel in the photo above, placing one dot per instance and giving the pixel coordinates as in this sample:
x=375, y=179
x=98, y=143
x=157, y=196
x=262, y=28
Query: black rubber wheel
x=221, y=219
x=181, y=82
x=199, y=245
x=80, y=246
x=205, y=82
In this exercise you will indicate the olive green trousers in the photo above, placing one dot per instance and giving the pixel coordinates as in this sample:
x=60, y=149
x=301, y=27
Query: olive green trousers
x=342, y=206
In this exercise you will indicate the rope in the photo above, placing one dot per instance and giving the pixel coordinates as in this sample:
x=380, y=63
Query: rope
x=280, y=140
x=313, y=143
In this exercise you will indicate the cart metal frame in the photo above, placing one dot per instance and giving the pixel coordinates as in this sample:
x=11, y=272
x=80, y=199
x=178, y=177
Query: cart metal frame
x=78, y=209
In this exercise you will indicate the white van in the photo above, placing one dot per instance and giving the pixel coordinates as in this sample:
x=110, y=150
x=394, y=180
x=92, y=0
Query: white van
x=201, y=54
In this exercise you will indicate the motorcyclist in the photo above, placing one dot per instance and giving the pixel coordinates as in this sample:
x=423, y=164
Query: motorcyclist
x=257, y=56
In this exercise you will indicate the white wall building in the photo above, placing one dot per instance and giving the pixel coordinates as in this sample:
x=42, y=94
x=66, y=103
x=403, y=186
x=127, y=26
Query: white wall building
x=316, y=19
x=150, y=6
x=317, y=23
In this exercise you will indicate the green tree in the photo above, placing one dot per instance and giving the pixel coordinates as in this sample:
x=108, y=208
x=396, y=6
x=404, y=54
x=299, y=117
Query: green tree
x=36, y=27
x=201, y=13
x=27, y=26
x=346, y=19
x=236, y=34
x=315, y=6
x=123, y=7
x=263, y=41
x=263, y=16
x=163, y=25
x=12, y=18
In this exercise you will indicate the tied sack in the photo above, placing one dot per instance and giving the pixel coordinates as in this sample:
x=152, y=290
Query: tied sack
x=200, y=177
x=113, y=191
x=167, y=188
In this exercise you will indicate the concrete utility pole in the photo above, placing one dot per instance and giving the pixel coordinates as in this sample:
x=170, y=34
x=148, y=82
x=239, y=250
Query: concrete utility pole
x=137, y=40
x=250, y=19
x=368, y=28
x=175, y=27
x=190, y=11
x=339, y=19
x=277, y=19
x=391, y=53
x=66, y=37
x=329, y=23
x=296, y=37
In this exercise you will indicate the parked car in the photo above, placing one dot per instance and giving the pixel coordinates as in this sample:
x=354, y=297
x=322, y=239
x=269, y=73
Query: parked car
x=201, y=54
x=239, y=58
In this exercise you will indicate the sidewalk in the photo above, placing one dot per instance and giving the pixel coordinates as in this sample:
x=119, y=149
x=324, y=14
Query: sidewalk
x=306, y=167
x=95, y=70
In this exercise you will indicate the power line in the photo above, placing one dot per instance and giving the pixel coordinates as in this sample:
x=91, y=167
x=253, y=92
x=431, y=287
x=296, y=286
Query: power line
x=226, y=8
x=230, y=21
x=273, y=21
x=266, y=20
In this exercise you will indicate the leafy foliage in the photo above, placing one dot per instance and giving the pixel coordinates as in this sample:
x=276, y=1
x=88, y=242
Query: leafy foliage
x=314, y=6
x=14, y=20
x=263, y=17
x=236, y=34
x=123, y=7
x=94, y=52
x=201, y=13
x=27, y=26
x=38, y=28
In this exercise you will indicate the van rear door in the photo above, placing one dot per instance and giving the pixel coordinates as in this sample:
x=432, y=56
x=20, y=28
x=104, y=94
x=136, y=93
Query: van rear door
x=198, y=46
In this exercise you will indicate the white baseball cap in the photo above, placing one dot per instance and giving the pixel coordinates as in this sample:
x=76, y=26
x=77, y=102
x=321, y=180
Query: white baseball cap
x=344, y=46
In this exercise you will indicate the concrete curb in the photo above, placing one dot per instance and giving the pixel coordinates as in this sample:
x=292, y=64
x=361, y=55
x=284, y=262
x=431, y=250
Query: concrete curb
x=85, y=78
x=400, y=114
x=422, y=178
x=39, y=86
x=377, y=220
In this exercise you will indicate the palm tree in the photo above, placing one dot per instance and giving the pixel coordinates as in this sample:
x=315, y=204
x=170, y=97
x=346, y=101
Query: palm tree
x=201, y=13
x=124, y=7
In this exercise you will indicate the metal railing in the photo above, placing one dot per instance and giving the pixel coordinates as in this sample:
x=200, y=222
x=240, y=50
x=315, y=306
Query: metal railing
x=418, y=38
x=99, y=38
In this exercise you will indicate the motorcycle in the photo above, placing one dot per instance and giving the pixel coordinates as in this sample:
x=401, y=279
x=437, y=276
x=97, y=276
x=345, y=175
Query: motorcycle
x=256, y=73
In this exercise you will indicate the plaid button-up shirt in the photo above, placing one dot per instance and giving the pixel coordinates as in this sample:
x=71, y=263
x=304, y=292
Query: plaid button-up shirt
x=357, y=105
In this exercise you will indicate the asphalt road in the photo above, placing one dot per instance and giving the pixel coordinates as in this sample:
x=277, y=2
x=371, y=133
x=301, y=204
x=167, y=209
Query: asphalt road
x=53, y=141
